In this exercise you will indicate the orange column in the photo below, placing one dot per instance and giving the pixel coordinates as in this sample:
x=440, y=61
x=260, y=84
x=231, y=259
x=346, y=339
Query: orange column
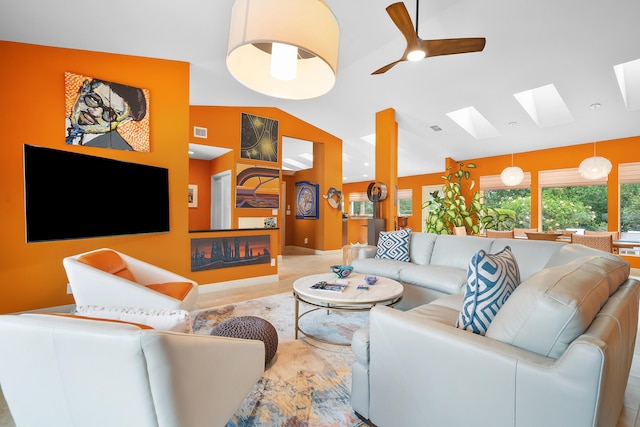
x=387, y=163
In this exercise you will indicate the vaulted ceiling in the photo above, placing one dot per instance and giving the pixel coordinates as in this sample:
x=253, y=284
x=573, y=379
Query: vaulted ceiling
x=571, y=44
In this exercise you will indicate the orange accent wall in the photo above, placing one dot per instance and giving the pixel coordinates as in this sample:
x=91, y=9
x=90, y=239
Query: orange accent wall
x=200, y=175
x=224, y=128
x=32, y=112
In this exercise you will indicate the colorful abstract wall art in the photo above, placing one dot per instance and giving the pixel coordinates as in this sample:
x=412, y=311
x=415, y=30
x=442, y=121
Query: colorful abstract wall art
x=259, y=138
x=223, y=252
x=306, y=200
x=100, y=113
x=257, y=187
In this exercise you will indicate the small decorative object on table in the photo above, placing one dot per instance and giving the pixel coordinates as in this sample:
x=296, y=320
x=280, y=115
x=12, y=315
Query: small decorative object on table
x=371, y=280
x=341, y=270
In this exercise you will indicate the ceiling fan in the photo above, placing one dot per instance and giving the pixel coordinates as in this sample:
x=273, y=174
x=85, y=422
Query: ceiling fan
x=417, y=48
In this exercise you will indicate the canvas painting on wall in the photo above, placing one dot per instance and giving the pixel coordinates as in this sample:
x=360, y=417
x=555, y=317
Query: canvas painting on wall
x=223, y=252
x=257, y=187
x=259, y=138
x=99, y=113
x=306, y=200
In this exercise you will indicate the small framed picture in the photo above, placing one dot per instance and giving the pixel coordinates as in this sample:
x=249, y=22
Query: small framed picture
x=193, y=196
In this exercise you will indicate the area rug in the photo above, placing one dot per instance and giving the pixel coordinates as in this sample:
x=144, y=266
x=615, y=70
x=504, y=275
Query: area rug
x=308, y=383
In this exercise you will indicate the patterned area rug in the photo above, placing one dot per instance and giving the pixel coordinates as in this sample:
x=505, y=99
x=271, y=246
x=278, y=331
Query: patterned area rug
x=307, y=383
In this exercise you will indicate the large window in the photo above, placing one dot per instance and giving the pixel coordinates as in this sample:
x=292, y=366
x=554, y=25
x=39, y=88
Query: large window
x=405, y=207
x=513, y=201
x=359, y=205
x=629, y=178
x=570, y=201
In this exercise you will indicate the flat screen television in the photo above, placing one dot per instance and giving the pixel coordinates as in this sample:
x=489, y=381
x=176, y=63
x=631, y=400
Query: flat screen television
x=75, y=196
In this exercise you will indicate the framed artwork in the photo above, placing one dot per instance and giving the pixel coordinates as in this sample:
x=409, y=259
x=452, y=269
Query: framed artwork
x=193, y=196
x=259, y=138
x=257, y=187
x=223, y=252
x=306, y=200
x=99, y=113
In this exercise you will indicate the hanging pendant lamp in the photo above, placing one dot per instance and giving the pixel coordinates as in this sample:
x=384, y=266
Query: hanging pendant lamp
x=512, y=175
x=595, y=167
x=284, y=48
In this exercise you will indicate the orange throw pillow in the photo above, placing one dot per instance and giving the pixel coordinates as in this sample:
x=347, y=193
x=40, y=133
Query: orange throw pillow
x=177, y=290
x=109, y=261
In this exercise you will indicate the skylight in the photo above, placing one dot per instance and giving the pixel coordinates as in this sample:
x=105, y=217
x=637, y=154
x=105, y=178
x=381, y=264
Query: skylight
x=473, y=122
x=545, y=106
x=628, y=75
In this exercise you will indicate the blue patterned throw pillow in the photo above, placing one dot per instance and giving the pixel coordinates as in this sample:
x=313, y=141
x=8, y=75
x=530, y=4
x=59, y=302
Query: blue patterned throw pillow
x=491, y=278
x=394, y=245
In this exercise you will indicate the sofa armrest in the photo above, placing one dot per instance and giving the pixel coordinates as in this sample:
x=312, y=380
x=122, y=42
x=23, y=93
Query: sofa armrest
x=421, y=369
x=209, y=377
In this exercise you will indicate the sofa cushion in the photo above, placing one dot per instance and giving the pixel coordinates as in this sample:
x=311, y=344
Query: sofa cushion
x=491, y=279
x=379, y=267
x=163, y=320
x=394, y=245
x=421, y=247
x=456, y=251
x=532, y=255
x=445, y=279
x=443, y=310
x=553, y=307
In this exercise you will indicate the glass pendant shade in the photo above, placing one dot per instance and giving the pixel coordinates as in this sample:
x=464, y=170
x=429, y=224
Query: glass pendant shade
x=512, y=176
x=309, y=26
x=595, y=167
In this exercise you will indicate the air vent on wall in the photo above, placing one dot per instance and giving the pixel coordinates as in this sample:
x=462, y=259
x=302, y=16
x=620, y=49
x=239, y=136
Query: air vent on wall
x=436, y=128
x=199, y=132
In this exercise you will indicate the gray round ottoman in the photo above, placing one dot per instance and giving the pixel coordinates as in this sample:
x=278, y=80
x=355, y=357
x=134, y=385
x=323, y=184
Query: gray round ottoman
x=251, y=328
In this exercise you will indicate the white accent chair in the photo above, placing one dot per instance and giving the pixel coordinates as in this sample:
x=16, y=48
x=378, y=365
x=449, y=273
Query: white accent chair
x=70, y=371
x=109, y=278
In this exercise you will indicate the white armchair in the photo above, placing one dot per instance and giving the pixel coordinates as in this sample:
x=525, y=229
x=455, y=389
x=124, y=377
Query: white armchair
x=105, y=277
x=69, y=371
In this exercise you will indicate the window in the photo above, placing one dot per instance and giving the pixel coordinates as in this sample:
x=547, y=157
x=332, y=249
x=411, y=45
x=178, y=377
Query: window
x=405, y=206
x=515, y=201
x=360, y=205
x=629, y=179
x=570, y=201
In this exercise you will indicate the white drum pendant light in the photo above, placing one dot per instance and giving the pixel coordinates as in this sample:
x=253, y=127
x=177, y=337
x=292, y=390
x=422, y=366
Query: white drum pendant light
x=284, y=48
x=512, y=175
x=595, y=167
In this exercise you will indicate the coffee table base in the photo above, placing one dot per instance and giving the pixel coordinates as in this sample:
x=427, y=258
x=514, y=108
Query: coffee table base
x=329, y=307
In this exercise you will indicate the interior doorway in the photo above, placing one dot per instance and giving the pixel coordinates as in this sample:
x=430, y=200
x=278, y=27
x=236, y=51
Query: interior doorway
x=221, y=201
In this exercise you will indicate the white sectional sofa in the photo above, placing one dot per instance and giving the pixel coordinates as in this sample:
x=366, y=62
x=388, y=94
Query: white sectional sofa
x=558, y=352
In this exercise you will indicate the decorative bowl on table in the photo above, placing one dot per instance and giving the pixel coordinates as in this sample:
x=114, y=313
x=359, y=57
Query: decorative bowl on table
x=341, y=271
x=371, y=280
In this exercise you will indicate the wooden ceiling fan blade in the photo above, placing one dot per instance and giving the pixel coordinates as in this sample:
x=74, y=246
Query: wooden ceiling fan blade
x=387, y=67
x=454, y=46
x=400, y=16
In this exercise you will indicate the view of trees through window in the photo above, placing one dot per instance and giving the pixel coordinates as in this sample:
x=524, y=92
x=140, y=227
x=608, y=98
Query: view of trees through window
x=630, y=207
x=515, y=202
x=575, y=207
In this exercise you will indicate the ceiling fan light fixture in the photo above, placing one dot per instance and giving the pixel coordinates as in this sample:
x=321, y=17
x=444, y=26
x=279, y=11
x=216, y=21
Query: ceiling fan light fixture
x=416, y=55
x=257, y=29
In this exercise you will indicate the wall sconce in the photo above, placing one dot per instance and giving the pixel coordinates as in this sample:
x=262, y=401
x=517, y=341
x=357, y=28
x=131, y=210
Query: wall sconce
x=512, y=175
x=595, y=167
x=284, y=48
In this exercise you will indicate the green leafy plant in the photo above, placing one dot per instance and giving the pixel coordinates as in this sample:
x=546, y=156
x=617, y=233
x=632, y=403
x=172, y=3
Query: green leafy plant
x=499, y=219
x=449, y=207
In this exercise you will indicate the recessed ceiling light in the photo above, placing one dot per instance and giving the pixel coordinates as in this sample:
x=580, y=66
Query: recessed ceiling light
x=365, y=175
x=366, y=164
x=513, y=123
x=595, y=106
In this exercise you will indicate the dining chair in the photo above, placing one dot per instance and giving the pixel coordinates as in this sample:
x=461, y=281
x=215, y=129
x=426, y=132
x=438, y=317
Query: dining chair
x=601, y=242
x=498, y=234
x=614, y=234
x=460, y=231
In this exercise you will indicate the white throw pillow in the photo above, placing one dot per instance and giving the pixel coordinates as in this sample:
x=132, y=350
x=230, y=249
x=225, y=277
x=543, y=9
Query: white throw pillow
x=159, y=319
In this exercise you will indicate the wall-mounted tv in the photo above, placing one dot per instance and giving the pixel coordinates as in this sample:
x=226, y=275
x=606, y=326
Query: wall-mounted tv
x=75, y=196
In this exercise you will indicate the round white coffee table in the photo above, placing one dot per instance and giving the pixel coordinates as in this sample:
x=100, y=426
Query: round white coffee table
x=385, y=291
